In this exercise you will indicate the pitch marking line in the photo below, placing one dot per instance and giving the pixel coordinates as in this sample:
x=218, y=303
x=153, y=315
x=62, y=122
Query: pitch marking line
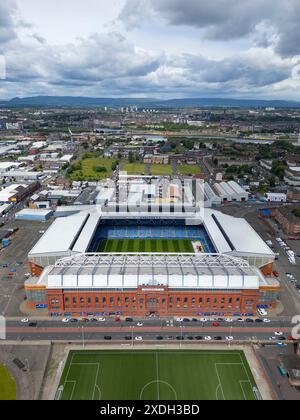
x=73, y=389
x=96, y=379
x=220, y=382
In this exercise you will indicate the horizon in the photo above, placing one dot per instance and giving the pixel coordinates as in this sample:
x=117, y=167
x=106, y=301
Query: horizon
x=162, y=49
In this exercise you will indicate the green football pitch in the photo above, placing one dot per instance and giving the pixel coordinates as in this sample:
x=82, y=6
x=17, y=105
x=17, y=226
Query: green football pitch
x=157, y=375
x=164, y=246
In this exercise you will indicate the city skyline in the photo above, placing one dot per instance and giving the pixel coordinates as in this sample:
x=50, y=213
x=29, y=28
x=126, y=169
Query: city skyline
x=150, y=48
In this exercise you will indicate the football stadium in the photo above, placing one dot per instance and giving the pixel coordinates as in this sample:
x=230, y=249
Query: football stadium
x=158, y=375
x=106, y=259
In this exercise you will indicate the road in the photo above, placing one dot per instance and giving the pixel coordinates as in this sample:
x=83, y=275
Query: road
x=57, y=330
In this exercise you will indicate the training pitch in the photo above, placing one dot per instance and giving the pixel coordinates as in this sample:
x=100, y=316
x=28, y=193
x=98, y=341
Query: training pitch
x=157, y=375
x=165, y=246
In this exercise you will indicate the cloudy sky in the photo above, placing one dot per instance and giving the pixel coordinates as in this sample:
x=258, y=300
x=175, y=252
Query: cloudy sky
x=150, y=48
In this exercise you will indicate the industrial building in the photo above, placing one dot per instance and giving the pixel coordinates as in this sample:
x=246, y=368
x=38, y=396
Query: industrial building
x=34, y=215
x=15, y=193
x=276, y=197
x=230, y=274
x=231, y=191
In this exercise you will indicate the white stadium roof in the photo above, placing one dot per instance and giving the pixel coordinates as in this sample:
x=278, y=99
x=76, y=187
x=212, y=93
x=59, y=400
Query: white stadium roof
x=61, y=236
x=231, y=234
x=188, y=271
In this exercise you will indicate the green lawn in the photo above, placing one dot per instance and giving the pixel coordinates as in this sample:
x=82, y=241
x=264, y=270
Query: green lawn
x=189, y=169
x=156, y=375
x=88, y=171
x=8, y=389
x=134, y=168
x=161, y=170
x=146, y=245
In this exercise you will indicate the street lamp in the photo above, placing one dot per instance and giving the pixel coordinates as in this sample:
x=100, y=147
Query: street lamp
x=132, y=341
x=82, y=331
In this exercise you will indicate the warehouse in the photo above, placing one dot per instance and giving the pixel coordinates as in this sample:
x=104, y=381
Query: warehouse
x=34, y=214
x=231, y=191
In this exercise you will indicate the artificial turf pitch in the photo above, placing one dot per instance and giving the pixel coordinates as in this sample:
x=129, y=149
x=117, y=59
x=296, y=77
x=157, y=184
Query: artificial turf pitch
x=157, y=375
x=146, y=245
x=8, y=389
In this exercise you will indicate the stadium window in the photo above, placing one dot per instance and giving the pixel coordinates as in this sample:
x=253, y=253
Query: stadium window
x=89, y=300
x=111, y=300
x=82, y=300
x=104, y=300
x=208, y=300
x=230, y=301
x=200, y=300
x=96, y=300
x=171, y=300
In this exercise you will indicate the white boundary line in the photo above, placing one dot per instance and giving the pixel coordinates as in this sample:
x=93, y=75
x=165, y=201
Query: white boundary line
x=212, y=353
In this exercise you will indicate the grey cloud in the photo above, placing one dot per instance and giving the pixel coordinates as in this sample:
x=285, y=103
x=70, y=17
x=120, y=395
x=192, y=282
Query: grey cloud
x=226, y=19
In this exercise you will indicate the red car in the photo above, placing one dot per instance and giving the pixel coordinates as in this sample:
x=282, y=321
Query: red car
x=216, y=324
x=291, y=338
x=276, y=274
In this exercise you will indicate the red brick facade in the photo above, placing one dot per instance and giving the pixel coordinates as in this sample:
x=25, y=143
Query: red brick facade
x=146, y=301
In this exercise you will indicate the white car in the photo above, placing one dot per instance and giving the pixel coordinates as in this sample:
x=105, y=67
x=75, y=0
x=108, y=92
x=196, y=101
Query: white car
x=65, y=320
x=27, y=275
x=179, y=319
x=203, y=320
x=101, y=319
x=138, y=338
x=139, y=324
x=230, y=338
x=25, y=320
x=41, y=232
x=266, y=321
x=229, y=320
x=278, y=333
x=207, y=338
x=272, y=338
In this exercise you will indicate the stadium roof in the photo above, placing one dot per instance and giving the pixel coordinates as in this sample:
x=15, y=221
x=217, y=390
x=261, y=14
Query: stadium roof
x=61, y=236
x=231, y=234
x=187, y=271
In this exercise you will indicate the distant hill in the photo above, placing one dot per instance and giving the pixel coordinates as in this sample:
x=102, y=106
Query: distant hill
x=72, y=101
